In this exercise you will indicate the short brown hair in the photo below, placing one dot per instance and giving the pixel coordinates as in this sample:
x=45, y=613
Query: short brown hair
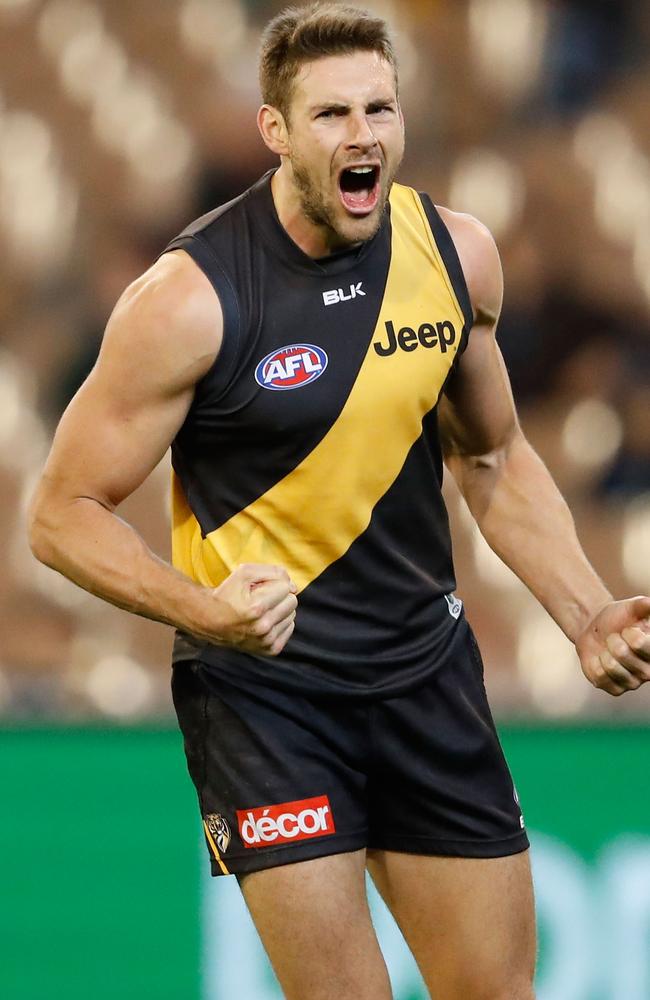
x=301, y=34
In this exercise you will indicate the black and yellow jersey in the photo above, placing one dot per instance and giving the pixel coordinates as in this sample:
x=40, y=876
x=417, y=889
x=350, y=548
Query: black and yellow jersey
x=312, y=442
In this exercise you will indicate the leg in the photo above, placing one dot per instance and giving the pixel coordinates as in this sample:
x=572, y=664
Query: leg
x=468, y=921
x=314, y=922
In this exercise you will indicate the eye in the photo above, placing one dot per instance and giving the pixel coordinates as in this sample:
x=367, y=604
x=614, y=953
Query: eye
x=331, y=113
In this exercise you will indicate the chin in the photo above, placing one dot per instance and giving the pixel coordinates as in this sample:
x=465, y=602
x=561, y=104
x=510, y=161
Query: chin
x=354, y=229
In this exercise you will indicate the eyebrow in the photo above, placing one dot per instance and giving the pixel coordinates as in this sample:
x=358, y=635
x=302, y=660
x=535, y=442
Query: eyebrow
x=341, y=106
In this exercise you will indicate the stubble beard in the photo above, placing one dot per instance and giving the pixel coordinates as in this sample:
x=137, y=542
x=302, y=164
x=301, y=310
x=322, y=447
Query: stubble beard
x=315, y=207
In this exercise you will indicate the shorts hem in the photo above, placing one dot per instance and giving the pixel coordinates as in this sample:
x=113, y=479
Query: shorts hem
x=275, y=857
x=431, y=846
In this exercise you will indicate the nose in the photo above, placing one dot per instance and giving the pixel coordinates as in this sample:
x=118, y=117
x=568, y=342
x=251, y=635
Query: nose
x=360, y=135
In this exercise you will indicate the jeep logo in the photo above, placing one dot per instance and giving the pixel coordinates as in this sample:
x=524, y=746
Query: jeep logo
x=441, y=335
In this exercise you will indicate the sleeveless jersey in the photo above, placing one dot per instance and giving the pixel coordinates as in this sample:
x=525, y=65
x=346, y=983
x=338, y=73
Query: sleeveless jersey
x=312, y=443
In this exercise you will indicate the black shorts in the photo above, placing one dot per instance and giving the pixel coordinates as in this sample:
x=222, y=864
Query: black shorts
x=283, y=778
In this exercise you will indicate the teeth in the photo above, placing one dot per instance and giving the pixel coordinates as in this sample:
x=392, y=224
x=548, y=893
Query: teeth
x=361, y=170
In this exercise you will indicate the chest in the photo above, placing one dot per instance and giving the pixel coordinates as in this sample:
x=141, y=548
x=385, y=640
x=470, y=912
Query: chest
x=383, y=333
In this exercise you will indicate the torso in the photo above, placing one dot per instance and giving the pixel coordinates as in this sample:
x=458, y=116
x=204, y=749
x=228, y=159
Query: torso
x=312, y=442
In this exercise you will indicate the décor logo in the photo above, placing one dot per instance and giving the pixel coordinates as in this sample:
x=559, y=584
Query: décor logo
x=286, y=822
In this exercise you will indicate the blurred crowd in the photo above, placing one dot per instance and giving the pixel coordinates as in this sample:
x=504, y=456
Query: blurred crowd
x=119, y=123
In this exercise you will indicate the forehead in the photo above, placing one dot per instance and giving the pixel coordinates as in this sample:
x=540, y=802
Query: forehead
x=345, y=79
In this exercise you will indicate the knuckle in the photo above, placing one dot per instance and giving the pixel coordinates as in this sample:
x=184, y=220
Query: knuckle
x=260, y=627
x=636, y=642
x=270, y=636
x=605, y=683
x=602, y=680
x=619, y=648
x=282, y=640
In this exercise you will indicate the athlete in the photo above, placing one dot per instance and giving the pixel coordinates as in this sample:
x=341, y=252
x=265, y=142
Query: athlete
x=312, y=351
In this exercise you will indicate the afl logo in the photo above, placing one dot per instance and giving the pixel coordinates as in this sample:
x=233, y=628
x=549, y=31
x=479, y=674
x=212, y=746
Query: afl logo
x=291, y=367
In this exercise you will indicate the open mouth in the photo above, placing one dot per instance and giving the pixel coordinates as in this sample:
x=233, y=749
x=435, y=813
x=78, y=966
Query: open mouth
x=359, y=188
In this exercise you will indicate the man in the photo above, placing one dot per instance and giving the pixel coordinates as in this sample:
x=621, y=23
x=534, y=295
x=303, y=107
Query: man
x=307, y=351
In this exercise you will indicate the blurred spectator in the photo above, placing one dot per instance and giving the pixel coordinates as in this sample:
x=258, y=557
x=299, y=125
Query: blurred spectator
x=589, y=42
x=629, y=473
x=124, y=124
x=563, y=342
x=119, y=258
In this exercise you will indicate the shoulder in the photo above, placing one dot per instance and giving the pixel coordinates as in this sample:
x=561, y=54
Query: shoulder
x=174, y=293
x=170, y=316
x=480, y=261
x=220, y=223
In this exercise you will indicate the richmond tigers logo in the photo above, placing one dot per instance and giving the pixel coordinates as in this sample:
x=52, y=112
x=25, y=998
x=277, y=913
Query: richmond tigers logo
x=219, y=829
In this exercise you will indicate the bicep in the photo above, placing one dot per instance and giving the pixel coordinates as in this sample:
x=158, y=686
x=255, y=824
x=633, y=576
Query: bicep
x=477, y=412
x=109, y=439
x=160, y=341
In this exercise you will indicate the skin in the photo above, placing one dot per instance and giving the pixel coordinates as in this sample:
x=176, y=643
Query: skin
x=344, y=112
x=469, y=922
x=163, y=336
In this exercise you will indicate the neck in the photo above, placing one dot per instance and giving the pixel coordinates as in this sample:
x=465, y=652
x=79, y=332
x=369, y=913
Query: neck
x=313, y=239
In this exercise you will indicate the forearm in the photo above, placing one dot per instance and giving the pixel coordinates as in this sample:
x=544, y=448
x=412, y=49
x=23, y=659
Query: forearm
x=100, y=552
x=525, y=520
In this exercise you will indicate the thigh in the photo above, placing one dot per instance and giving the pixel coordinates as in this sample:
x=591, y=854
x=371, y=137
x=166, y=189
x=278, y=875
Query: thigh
x=276, y=775
x=468, y=921
x=314, y=922
x=440, y=784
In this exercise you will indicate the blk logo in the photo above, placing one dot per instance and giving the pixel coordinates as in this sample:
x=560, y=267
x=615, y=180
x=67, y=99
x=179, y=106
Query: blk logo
x=291, y=367
x=338, y=295
x=441, y=335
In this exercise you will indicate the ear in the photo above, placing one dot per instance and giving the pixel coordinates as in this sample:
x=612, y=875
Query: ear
x=273, y=129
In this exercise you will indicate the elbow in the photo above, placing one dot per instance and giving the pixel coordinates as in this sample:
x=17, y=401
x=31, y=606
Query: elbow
x=41, y=532
x=481, y=476
x=39, y=539
x=494, y=459
x=495, y=462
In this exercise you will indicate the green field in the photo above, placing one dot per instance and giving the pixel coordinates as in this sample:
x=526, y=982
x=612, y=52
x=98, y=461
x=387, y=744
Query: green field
x=104, y=893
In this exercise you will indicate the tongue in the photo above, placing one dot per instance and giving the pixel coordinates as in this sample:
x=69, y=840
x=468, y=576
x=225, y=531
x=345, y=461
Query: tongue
x=357, y=199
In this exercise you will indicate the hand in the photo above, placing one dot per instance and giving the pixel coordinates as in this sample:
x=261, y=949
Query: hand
x=255, y=610
x=614, y=649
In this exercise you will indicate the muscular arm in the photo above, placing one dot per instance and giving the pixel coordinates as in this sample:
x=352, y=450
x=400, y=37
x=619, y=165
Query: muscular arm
x=163, y=336
x=512, y=496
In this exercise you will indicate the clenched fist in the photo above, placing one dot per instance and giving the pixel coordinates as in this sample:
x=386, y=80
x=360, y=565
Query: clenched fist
x=254, y=609
x=614, y=649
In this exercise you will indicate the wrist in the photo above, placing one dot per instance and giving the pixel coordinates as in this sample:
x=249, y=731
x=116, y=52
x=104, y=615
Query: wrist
x=199, y=612
x=582, y=613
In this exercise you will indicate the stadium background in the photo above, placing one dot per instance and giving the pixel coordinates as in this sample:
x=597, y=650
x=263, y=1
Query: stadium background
x=118, y=123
